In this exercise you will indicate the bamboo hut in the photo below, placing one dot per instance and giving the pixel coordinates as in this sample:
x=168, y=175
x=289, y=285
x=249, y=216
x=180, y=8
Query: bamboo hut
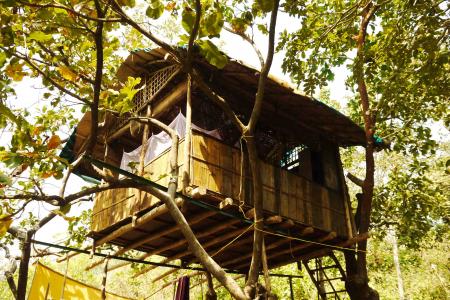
x=298, y=139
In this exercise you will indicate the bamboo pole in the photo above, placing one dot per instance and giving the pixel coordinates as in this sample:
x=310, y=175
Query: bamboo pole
x=145, y=135
x=187, y=137
x=105, y=274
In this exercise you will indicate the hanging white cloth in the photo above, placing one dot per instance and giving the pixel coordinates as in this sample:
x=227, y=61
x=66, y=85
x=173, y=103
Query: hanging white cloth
x=160, y=142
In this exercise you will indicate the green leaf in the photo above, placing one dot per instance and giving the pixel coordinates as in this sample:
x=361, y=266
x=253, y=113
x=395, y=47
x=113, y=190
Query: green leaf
x=264, y=5
x=188, y=19
x=212, y=54
x=212, y=24
x=4, y=179
x=5, y=223
x=155, y=9
x=129, y=3
x=263, y=28
x=2, y=59
x=39, y=36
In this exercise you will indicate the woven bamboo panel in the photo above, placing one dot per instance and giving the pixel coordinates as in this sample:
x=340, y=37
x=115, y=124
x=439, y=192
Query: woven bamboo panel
x=113, y=206
x=220, y=169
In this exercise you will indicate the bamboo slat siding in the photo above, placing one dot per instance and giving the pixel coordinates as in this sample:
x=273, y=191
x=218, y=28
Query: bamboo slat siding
x=217, y=167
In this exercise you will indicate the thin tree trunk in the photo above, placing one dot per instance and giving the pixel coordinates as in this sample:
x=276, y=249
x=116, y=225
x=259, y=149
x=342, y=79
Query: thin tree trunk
x=23, y=267
x=258, y=235
x=401, y=291
x=357, y=282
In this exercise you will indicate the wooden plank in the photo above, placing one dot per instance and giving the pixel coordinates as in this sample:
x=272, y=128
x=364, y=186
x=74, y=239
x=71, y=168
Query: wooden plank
x=212, y=242
x=154, y=213
x=181, y=242
x=154, y=236
x=284, y=197
x=276, y=244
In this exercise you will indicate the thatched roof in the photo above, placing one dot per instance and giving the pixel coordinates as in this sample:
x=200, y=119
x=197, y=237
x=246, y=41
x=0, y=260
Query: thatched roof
x=283, y=105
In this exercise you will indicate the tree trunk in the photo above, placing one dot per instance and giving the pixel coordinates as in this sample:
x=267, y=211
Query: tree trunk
x=255, y=266
x=401, y=291
x=357, y=282
x=23, y=267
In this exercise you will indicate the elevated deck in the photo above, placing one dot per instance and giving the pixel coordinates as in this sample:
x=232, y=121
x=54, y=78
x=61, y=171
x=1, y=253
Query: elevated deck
x=228, y=239
x=293, y=205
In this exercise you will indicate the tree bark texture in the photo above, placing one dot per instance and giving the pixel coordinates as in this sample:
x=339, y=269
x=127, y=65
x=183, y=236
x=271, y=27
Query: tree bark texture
x=357, y=282
x=23, y=267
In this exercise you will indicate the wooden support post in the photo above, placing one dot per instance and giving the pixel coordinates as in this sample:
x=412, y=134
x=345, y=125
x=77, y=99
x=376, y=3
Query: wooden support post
x=105, y=274
x=154, y=236
x=211, y=293
x=187, y=137
x=91, y=253
x=291, y=288
x=144, y=147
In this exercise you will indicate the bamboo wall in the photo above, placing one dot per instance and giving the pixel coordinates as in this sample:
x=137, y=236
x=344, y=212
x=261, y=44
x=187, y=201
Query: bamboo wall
x=217, y=167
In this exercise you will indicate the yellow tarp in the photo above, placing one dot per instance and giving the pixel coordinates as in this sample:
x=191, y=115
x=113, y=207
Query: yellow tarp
x=48, y=285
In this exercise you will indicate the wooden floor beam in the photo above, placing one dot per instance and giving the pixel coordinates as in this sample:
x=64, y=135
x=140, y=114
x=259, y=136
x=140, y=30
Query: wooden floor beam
x=154, y=236
x=142, y=220
x=222, y=238
x=325, y=251
x=278, y=243
x=180, y=243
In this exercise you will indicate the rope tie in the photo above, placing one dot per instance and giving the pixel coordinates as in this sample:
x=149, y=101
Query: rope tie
x=233, y=240
x=312, y=242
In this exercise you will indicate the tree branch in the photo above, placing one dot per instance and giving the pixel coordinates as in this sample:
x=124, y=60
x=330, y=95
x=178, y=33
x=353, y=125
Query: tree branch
x=248, y=135
x=71, y=10
x=355, y=180
x=194, y=33
x=250, y=41
x=98, y=39
x=125, y=18
x=52, y=81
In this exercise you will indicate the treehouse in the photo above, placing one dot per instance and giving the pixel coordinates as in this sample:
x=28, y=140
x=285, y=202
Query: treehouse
x=305, y=198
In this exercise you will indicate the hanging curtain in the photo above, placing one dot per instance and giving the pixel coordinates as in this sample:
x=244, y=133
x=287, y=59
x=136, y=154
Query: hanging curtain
x=182, y=289
x=160, y=142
